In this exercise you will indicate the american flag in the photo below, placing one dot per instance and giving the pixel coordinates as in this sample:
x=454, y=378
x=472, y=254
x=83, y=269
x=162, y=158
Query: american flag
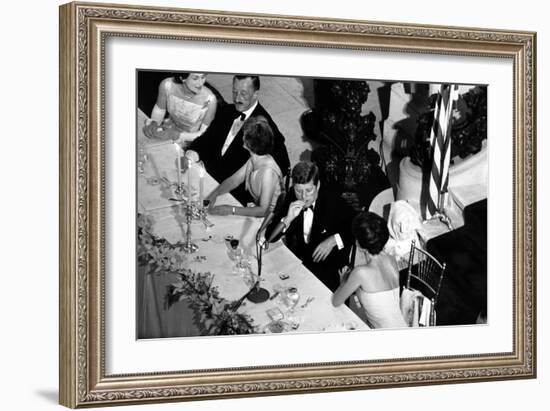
x=440, y=143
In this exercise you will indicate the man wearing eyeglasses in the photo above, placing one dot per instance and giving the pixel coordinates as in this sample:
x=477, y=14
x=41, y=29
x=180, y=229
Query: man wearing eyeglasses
x=221, y=146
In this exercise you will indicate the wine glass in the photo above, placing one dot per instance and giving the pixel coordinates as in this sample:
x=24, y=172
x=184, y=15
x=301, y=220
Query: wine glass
x=141, y=158
x=227, y=239
x=292, y=296
x=235, y=252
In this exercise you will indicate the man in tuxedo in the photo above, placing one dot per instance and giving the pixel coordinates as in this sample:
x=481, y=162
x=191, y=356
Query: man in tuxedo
x=221, y=146
x=316, y=224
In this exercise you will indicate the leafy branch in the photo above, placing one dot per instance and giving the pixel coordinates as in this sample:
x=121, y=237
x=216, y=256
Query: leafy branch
x=214, y=314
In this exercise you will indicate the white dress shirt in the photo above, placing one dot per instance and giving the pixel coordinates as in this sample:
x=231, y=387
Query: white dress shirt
x=308, y=222
x=237, y=124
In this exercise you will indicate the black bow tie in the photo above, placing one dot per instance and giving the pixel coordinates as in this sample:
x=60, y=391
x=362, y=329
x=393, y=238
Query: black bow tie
x=240, y=116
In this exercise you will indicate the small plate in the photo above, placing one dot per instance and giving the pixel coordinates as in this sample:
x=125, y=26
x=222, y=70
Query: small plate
x=276, y=327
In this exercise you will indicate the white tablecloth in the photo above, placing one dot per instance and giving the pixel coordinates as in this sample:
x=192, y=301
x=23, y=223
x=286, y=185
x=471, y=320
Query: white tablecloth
x=154, y=195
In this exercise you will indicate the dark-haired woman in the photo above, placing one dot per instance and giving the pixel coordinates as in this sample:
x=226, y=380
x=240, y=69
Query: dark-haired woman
x=375, y=283
x=261, y=175
x=191, y=108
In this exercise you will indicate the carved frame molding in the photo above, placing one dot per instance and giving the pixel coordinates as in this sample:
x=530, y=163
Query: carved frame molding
x=83, y=30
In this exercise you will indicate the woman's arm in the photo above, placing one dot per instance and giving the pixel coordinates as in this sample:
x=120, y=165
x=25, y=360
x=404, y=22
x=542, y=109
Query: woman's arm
x=347, y=288
x=228, y=184
x=211, y=112
x=159, y=110
x=157, y=115
x=268, y=183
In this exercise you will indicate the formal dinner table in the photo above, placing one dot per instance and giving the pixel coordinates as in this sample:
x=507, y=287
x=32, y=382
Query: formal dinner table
x=281, y=269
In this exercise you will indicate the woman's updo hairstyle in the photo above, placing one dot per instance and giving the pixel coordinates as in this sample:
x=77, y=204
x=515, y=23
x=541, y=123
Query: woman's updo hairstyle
x=180, y=76
x=258, y=135
x=371, y=231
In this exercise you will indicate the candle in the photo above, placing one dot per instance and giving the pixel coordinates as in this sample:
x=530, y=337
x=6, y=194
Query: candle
x=178, y=165
x=188, y=180
x=201, y=184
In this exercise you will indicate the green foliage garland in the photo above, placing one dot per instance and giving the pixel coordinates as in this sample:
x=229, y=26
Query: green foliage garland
x=213, y=314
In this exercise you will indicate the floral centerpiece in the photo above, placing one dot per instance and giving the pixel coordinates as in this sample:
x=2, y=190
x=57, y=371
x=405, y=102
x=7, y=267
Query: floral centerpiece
x=213, y=314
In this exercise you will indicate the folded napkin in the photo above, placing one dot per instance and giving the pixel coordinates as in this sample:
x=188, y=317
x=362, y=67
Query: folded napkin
x=409, y=306
x=424, y=319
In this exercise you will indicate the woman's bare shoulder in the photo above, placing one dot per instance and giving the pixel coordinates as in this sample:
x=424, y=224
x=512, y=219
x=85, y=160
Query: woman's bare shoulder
x=361, y=275
x=207, y=94
x=269, y=169
x=362, y=271
x=167, y=82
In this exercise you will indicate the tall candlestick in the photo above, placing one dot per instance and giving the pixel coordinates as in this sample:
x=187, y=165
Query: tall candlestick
x=201, y=184
x=178, y=165
x=188, y=181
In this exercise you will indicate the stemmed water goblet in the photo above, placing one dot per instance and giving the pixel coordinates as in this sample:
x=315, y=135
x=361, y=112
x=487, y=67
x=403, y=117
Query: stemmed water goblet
x=234, y=252
x=290, y=299
x=142, y=158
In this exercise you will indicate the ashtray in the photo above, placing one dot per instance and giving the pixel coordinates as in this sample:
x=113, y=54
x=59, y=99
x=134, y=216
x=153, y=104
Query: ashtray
x=276, y=327
x=275, y=314
x=153, y=181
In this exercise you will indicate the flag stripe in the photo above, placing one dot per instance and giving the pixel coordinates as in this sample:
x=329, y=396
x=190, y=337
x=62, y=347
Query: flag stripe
x=440, y=142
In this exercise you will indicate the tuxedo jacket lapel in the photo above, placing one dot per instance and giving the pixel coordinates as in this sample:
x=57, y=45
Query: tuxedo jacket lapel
x=237, y=143
x=319, y=218
x=295, y=233
x=226, y=127
x=217, y=132
x=300, y=229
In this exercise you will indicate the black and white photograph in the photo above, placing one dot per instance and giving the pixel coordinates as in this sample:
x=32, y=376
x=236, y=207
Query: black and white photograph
x=229, y=206
x=280, y=204
x=260, y=204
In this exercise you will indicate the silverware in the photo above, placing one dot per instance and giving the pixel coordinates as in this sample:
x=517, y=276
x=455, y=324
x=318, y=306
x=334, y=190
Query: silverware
x=274, y=296
x=166, y=181
x=207, y=223
x=309, y=299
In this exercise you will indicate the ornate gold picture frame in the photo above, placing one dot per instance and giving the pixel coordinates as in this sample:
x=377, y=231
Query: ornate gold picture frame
x=85, y=29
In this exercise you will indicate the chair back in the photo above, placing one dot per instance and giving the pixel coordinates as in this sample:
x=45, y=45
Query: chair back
x=425, y=274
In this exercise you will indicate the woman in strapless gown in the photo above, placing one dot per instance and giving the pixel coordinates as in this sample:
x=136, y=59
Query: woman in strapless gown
x=261, y=175
x=376, y=282
x=191, y=107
